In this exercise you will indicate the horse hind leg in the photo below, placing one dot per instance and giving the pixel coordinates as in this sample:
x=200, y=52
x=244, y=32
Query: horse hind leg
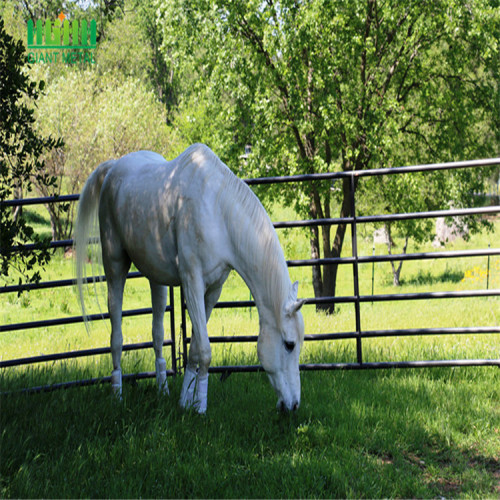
x=116, y=274
x=159, y=302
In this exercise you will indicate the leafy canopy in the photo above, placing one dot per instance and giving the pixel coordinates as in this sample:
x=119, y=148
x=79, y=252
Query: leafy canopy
x=326, y=85
x=322, y=85
x=21, y=149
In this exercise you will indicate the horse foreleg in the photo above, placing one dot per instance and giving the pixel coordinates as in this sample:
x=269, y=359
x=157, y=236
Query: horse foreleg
x=195, y=385
x=159, y=302
x=194, y=393
x=190, y=380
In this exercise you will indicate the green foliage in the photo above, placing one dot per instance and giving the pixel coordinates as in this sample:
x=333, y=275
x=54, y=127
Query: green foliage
x=161, y=74
x=21, y=149
x=328, y=85
x=100, y=116
x=124, y=50
x=102, y=110
x=338, y=83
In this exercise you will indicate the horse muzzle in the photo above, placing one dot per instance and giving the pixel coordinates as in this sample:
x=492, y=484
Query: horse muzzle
x=285, y=408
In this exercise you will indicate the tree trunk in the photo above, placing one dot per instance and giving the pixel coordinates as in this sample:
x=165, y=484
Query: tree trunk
x=325, y=280
x=316, y=269
x=17, y=211
x=315, y=211
x=60, y=220
x=396, y=271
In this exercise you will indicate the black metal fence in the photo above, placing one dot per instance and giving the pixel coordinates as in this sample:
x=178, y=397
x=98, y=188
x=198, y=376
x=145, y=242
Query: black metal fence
x=355, y=260
x=358, y=334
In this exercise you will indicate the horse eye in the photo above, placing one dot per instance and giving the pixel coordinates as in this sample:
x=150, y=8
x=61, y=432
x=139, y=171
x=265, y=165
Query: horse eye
x=289, y=346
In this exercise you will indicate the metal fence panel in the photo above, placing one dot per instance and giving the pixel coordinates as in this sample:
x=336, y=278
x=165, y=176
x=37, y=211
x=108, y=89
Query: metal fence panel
x=357, y=298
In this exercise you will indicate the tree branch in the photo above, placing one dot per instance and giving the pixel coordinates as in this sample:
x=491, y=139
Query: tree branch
x=395, y=64
x=247, y=32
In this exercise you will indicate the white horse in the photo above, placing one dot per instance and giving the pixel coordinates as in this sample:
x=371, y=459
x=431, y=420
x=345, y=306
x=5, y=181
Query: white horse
x=190, y=221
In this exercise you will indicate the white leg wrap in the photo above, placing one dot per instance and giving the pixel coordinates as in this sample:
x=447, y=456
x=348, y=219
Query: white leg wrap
x=188, y=385
x=201, y=397
x=116, y=383
x=194, y=391
x=161, y=375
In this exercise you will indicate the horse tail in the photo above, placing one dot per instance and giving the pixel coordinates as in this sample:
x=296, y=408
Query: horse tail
x=86, y=233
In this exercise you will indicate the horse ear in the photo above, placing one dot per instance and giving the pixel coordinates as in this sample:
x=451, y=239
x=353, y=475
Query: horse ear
x=294, y=304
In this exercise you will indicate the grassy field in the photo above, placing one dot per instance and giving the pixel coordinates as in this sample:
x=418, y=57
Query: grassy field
x=417, y=433
x=399, y=433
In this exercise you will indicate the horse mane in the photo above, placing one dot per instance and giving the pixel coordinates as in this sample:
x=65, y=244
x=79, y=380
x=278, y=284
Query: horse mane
x=252, y=229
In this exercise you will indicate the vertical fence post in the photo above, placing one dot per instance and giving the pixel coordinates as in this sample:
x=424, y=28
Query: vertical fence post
x=355, y=270
x=488, y=271
x=183, y=331
x=172, y=328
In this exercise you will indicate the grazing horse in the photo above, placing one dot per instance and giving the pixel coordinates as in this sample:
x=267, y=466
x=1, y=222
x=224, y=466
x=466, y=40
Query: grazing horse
x=188, y=222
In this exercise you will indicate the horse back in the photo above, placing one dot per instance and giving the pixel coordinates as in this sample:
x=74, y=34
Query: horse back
x=165, y=215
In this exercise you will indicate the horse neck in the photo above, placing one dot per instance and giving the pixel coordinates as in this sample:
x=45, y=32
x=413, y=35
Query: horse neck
x=263, y=267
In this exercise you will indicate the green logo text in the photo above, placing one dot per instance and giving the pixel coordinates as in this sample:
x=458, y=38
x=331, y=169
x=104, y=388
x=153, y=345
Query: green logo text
x=52, y=41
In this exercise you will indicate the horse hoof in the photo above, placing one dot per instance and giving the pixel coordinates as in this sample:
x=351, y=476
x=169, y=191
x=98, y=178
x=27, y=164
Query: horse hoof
x=116, y=383
x=161, y=376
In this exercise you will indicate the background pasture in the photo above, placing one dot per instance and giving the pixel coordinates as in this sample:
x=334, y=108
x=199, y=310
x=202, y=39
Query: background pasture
x=398, y=433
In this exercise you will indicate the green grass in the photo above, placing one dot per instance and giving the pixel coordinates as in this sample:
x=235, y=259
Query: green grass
x=414, y=433
x=392, y=433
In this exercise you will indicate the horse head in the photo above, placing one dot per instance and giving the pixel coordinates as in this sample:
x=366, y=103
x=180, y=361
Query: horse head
x=279, y=344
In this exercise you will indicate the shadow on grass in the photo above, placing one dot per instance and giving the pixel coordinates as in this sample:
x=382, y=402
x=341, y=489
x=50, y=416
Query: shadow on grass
x=35, y=218
x=428, y=278
x=357, y=434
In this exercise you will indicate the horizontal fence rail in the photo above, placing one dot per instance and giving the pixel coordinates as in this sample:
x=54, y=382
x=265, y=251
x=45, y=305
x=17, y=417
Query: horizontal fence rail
x=76, y=354
x=357, y=298
x=487, y=162
x=363, y=219
x=44, y=358
x=355, y=260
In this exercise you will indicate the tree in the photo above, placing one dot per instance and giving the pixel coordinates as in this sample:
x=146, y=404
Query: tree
x=100, y=116
x=103, y=110
x=160, y=73
x=328, y=85
x=20, y=151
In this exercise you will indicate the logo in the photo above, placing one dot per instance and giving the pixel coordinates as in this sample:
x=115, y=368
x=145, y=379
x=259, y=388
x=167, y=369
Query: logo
x=51, y=42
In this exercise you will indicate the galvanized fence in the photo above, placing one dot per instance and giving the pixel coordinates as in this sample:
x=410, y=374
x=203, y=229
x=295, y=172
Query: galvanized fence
x=355, y=260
